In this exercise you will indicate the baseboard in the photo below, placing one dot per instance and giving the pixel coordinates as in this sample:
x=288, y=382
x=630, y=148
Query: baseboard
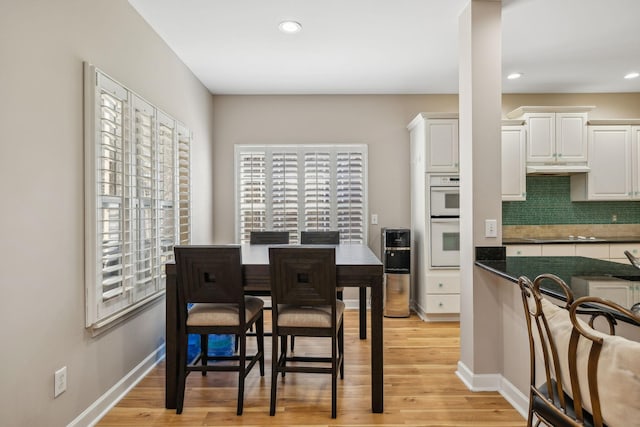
x=494, y=382
x=419, y=310
x=515, y=397
x=99, y=408
x=478, y=382
x=352, y=303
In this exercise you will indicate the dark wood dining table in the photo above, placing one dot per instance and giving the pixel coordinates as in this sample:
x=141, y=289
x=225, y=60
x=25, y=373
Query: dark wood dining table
x=356, y=265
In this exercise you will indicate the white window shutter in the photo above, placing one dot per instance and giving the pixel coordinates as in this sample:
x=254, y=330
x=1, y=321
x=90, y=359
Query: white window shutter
x=317, y=191
x=183, y=164
x=350, y=176
x=252, y=193
x=284, y=192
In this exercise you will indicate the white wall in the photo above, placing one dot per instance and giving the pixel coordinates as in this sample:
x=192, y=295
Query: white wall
x=42, y=46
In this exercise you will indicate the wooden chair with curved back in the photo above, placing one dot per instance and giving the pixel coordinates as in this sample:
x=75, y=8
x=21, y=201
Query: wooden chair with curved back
x=604, y=369
x=545, y=399
x=592, y=377
x=210, y=278
x=304, y=303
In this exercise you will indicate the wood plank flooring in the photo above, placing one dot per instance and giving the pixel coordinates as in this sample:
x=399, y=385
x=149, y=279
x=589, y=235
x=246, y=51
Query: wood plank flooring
x=420, y=385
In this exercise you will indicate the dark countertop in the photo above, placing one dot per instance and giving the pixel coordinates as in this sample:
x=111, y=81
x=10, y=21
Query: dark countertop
x=565, y=240
x=563, y=267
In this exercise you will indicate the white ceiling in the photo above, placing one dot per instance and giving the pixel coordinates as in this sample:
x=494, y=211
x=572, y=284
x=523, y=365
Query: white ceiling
x=395, y=46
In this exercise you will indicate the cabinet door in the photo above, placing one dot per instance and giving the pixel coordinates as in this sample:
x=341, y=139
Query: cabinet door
x=541, y=136
x=442, y=145
x=610, y=163
x=635, y=164
x=524, y=250
x=564, y=249
x=514, y=169
x=571, y=137
x=618, y=292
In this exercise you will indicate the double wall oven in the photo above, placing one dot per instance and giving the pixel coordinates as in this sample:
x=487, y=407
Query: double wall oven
x=444, y=218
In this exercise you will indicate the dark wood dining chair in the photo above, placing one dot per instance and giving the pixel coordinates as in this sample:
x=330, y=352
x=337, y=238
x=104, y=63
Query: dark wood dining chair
x=304, y=303
x=210, y=278
x=268, y=237
x=333, y=238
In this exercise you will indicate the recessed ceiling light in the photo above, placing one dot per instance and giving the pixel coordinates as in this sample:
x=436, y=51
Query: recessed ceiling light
x=514, y=76
x=290, y=27
x=632, y=75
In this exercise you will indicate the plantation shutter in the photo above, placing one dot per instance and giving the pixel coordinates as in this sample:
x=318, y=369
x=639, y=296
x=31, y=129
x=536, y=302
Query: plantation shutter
x=137, y=199
x=317, y=191
x=299, y=187
x=252, y=193
x=112, y=271
x=350, y=189
x=284, y=193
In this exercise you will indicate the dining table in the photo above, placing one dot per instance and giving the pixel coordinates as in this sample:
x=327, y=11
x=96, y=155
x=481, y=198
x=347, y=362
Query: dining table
x=356, y=266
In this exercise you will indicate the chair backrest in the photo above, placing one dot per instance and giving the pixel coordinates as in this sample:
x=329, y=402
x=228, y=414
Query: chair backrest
x=268, y=237
x=209, y=274
x=536, y=310
x=604, y=370
x=320, y=237
x=303, y=276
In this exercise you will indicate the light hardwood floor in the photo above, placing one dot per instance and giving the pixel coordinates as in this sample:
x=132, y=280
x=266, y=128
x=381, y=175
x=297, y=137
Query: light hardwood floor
x=420, y=385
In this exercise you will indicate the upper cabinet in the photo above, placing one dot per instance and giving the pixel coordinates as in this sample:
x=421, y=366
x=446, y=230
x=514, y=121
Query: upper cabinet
x=614, y=162
x=555, y=135
x=513, y=161
x=438, y=133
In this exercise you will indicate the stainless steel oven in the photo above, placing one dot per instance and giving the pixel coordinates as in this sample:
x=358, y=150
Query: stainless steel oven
x=444, y=213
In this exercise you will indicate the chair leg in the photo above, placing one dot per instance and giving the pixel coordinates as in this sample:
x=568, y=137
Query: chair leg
x=283, y=350
x=341, y=349
x=260, y=338
x=293, y=342
x=274, y=373
x=334, y=377
x=204, y=351
x=241, y=372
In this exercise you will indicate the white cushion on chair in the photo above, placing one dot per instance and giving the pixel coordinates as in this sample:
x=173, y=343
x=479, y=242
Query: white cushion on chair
x=207, y=314
x=308, y=317
x=618, y=369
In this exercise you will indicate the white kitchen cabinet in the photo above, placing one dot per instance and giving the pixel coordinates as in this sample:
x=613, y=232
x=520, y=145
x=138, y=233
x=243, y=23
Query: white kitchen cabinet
x=433, y=148
x=622, y=292
x=524, y=250
x=616, y=251
x=565, y=249
x=593, y=250
x=610, y=162
x=555, y=135
x=440, y=135
x=514, y=168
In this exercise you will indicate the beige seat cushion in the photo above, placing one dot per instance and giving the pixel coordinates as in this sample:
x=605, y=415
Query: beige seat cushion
x=308, y=317
x=618, y=369
x=205, y=314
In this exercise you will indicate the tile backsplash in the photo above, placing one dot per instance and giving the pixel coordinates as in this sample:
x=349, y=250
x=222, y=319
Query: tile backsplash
x=548, y=202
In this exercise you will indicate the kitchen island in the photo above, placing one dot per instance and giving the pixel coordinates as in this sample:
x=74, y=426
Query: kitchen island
x=572, y=269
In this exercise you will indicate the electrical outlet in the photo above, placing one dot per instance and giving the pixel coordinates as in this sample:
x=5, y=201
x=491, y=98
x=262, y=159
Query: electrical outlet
x=60, y=381
x=490, y=228
x=374, y=219
x=614, y=218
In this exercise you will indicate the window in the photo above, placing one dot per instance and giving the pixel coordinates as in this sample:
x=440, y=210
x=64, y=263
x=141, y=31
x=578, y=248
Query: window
x=301, y=187
x=136, y=198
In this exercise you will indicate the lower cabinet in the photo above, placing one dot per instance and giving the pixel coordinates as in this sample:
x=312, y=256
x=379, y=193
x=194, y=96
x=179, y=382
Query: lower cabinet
x=622, y=292
x=605, y=251
x=443, y=293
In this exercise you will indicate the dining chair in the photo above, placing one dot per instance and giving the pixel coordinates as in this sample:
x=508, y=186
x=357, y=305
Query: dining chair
x=304, y=303
x=268, y=237
x=548, y=401
x=210, y=278
x=333, y=238
x=604, y=369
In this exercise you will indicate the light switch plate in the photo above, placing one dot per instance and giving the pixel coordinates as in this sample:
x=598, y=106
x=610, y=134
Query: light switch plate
x=374, y=219
x=490, y=228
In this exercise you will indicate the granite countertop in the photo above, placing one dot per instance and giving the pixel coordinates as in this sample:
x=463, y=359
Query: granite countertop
x=568, y=240
x=564, y=267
